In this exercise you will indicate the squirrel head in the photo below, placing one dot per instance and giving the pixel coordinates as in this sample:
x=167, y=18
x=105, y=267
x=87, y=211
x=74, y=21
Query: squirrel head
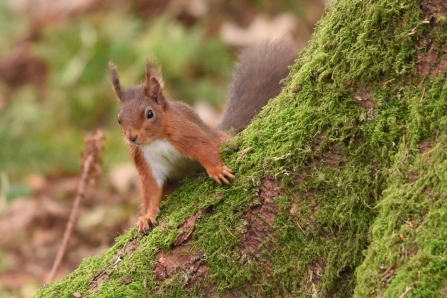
x=142, y=107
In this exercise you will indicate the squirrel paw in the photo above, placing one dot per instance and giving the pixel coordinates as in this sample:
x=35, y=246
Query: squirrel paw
x=143, y=223
x=220, y=176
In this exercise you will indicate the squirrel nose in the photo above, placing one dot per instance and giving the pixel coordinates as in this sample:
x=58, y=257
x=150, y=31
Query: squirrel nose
x=133, y=139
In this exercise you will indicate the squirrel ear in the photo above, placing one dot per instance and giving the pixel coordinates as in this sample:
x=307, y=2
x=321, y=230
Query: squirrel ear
x=115, y=80
x=153, y=87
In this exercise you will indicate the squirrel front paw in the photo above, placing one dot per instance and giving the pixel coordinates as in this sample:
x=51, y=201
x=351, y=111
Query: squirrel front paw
x=219, y=174
x=143, y=222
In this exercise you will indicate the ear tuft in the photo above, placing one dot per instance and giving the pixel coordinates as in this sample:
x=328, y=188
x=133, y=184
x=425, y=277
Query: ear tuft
x=153, y=88
x=156, y=88
x=115, y=81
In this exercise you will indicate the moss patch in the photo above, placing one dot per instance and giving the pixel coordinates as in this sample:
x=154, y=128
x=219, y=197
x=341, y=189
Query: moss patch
x=358, y=192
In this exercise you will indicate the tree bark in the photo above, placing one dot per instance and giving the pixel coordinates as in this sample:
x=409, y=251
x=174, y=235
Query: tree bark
x=342, y=193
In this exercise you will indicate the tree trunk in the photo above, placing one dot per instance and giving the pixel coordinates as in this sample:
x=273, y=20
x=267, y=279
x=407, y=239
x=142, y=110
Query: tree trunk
x=343, y=192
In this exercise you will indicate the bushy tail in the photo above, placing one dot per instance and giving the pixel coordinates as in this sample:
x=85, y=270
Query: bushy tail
x=256, y=79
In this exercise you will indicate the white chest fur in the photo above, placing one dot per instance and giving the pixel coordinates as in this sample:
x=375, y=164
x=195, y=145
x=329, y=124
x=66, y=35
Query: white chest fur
x=166, y=162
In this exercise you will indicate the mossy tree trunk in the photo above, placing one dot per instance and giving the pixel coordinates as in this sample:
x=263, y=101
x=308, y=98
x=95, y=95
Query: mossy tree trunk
x=342, y=193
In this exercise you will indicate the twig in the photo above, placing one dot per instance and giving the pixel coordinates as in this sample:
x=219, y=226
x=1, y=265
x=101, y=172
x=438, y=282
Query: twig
x=387, y=271
x=423, y=79
x=422, y=96
x=3, y=190
x=408, y=289
x=90, y=167
x=299, y=226
x=245, y=151
x=231, y=234
x=389, y=81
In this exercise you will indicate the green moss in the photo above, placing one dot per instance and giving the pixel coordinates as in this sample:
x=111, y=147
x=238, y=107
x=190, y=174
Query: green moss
x=410, y=231
x=352, y=218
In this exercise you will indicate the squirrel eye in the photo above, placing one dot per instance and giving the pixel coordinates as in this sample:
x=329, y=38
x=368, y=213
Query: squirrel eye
x=149, y=114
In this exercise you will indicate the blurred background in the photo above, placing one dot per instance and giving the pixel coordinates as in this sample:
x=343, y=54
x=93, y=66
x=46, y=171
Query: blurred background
x=54, y=89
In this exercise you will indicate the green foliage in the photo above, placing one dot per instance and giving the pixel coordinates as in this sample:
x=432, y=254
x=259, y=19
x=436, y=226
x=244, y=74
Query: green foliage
x=12, y=27
x=29, y=139
x=46, y=137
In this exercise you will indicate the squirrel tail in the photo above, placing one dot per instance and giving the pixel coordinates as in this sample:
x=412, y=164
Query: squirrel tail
x=256, y=79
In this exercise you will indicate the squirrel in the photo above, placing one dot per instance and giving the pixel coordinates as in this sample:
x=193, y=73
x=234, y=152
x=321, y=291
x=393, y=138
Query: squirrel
x=168, y=140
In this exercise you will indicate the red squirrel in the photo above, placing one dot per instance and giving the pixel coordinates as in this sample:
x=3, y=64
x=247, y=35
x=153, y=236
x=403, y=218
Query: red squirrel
x=168, y=140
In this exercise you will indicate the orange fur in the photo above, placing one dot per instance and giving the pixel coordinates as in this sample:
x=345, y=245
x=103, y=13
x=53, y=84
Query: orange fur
x=167, y=138
x=150, y=188
x=173, y=126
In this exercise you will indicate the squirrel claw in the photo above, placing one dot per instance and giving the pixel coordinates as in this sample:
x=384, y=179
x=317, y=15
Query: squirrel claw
x=227, y=169
x=215, y=178
x=223, y=175
x=228, y=174
x=143, y=224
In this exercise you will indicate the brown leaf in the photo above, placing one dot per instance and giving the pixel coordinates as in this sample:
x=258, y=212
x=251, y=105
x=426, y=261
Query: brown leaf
x=126, y=280
x=187, y=228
